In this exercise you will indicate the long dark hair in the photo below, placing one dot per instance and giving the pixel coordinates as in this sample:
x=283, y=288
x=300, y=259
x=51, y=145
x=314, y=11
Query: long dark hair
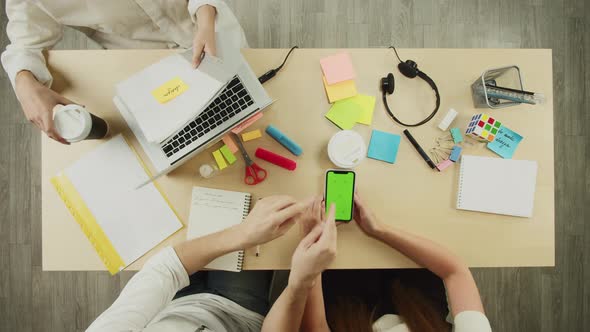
x=418, y=313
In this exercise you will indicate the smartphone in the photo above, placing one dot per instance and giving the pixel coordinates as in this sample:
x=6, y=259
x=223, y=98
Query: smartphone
x=340, y=190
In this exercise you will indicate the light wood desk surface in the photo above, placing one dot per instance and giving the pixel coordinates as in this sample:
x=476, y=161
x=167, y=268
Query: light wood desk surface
x=406, y=194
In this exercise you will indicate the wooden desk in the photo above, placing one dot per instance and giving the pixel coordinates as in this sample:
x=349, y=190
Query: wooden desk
x=407, y=194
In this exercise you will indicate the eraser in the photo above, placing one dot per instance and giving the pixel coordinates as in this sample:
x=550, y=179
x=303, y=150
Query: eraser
x=456, y=134
x=276, y=159
x=284, y=140
x=254, y=134
x=444, y=164
x=448, y=119
x=455, y=153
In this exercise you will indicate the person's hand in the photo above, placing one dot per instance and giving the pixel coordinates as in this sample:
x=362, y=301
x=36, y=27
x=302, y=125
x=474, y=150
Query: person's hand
x=314, y=253
x=204, y=40
x=37, y=102
x=365, y=218
x=312, y=215
x=270, y=218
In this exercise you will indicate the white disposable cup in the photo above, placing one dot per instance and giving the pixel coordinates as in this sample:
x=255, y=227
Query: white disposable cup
x=74, y=123
x=347, y=149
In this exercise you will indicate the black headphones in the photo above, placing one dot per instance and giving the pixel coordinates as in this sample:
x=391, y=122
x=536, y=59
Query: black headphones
x=409, y=69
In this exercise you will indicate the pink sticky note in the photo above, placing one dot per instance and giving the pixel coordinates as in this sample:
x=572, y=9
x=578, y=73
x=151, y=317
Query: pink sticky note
x=237, y=129
x=444, y=164
x=337, y=68
x=230, y=143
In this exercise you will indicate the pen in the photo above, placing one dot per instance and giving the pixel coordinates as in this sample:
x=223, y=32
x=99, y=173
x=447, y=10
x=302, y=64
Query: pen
x=419, y=149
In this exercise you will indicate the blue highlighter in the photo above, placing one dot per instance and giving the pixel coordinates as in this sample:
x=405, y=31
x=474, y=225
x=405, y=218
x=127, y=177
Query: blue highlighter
x=284, y=140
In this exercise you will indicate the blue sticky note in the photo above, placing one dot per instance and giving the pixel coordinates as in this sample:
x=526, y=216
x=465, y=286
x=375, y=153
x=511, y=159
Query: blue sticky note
x=383, y=146
x=505, y=142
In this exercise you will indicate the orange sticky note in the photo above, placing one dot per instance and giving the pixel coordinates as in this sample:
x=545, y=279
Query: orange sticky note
x=230, y=143
x=237, y=129
x=337, y=68
x=254, y=134
x=339, y=90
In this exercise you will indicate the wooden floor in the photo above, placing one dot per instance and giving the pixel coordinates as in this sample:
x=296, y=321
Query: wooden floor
x=516, y=299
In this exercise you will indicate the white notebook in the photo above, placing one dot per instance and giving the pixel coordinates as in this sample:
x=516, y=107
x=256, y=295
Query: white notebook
x=213, y=210
x=496, y=185
x=121, y=222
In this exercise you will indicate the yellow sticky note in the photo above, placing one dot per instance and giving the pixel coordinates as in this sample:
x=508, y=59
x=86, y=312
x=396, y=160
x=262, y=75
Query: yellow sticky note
x=254, y=134
x=340, y=90
x=229, y=156
x=367, y=105
x=169, y=90
x=219, y=159
x=344, y=114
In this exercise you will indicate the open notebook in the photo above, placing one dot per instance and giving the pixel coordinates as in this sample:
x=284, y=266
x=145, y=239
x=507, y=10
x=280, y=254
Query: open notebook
x=213, y=210
x=496, y=185
x=121, y=222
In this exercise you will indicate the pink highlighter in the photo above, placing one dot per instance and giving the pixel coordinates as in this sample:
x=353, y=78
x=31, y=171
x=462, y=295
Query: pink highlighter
x=276, y=159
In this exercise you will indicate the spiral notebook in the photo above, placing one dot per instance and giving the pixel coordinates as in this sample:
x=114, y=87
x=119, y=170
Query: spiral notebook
x=496, y=185
x=213, y=210
x=122, y=223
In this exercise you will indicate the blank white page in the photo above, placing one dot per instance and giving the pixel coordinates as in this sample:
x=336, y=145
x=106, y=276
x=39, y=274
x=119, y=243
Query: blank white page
x=213, y=210
x=495, y=185
x=134, y=220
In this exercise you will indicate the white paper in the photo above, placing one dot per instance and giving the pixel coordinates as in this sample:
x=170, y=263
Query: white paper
x=213, y=210
x=496, y=185
x=135, y=221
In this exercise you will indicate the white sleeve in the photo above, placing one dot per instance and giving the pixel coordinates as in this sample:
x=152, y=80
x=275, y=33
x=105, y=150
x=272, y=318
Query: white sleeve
x=225, y=20
x=145, y=295
x=471, y=321
x=30, y=30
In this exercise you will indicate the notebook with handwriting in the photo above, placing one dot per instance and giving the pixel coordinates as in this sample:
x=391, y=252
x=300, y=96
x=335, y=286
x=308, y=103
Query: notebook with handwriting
x=213, y=210
x=496, y=185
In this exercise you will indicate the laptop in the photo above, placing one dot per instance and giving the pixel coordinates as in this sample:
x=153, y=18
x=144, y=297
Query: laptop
x=239, y=98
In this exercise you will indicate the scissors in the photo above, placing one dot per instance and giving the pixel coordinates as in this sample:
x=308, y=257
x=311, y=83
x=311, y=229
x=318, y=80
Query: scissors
x=254, y=173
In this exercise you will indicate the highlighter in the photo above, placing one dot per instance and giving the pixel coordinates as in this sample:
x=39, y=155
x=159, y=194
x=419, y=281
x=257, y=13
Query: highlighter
x=284, y=140
x=276, y=159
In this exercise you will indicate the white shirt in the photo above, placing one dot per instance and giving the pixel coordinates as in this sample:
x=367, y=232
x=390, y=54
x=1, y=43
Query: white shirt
x=145, y=304
x=37, y=25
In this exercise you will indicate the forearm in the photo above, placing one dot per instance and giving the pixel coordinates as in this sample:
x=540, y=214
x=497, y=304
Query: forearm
x=314, y=316
x=196, y=253
x=287, y=311
x=423, y=251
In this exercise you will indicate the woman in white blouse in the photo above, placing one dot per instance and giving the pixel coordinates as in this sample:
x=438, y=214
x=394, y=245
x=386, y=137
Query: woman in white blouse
x=37, y=25
x=301, y=306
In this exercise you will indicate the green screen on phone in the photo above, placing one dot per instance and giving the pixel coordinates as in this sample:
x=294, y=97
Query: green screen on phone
x=340, y=190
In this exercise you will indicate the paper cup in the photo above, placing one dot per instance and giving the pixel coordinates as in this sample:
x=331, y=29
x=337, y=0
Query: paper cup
x=74, y=123
x=347, y=149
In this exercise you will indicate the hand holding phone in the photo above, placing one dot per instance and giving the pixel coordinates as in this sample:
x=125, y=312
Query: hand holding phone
x=340, y=191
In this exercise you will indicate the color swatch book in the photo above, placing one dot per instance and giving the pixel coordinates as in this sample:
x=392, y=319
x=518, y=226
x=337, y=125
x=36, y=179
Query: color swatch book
x=213, y=210
x=496, y=185
x=122, y=222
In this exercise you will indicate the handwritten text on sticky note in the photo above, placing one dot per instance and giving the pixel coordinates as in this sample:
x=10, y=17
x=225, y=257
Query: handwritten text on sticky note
x=169, y=90
x=505, y=142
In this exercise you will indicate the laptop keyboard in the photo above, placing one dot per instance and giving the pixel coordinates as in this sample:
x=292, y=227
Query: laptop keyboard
x=231, y=101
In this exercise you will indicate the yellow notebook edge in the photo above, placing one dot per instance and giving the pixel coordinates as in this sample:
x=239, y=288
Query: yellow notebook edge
x=88, y=224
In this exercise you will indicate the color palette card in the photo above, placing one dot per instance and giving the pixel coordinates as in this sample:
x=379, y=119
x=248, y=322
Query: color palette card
x=383, y=146
x=505, y=143
x=337, y=68
x=339, y=91
x=344, y=114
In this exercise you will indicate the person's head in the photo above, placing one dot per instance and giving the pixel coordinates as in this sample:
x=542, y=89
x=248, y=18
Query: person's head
x=416, y=311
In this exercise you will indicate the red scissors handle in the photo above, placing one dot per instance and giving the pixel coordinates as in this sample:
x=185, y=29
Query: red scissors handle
x=254, y=174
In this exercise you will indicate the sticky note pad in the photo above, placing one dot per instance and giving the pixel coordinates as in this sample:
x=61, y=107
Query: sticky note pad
x=229, y=142
x=254, y=134
x=340, y=90
x=229, y=156
x=169, y=90
x=344, y=114
x=219, y=159
x=367, y=105
x=245, y=124
x=383, y=146
x=505, y=143
x=337, y=68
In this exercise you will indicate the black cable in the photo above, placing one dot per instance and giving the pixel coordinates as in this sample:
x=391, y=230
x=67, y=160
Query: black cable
x=400, y=60
x=271, y=73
